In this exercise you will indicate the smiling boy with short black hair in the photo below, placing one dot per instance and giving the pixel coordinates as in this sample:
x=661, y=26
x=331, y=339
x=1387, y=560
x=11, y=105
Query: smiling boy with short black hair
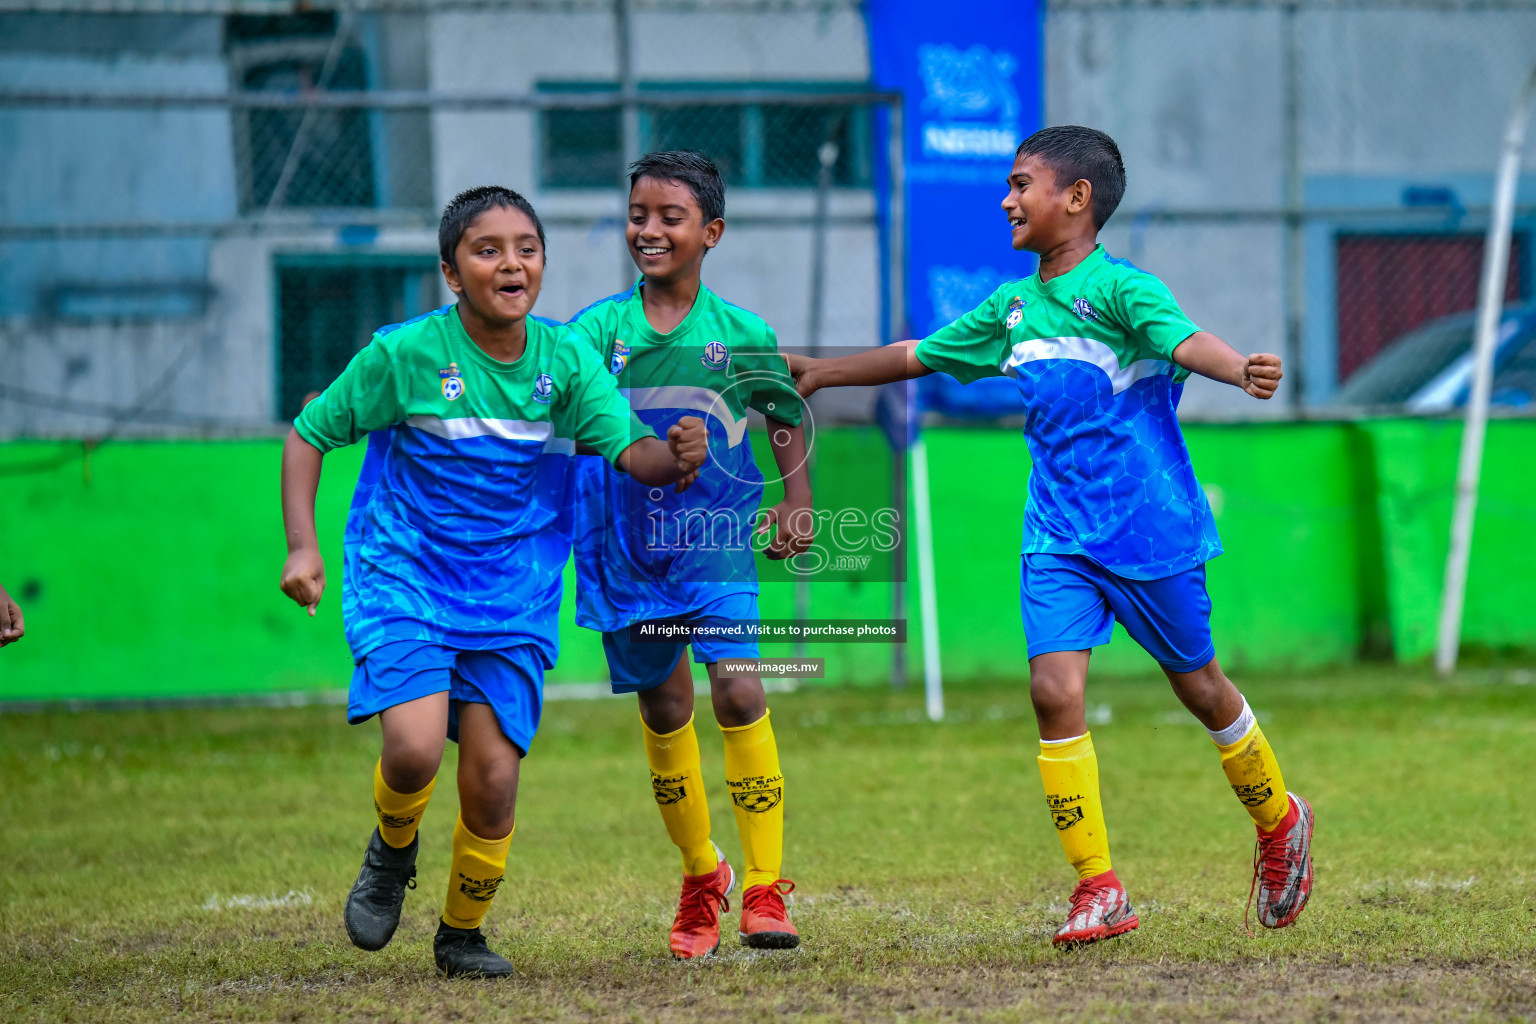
x=454, y=549
x=1117, y=526
x=645, y=554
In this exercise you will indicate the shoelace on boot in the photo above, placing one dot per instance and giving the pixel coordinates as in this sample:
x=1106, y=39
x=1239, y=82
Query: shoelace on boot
x=1083, y=898
x=768, y=897
x=701, y=905
x=1275, y=869
x=375, y=894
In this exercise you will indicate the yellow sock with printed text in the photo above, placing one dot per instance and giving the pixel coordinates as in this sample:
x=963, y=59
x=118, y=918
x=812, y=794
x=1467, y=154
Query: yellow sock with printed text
x=757, y=795
x=474, y=876
x=1070, y=771
x=1251, y=768
x=677, y=780
x=399, y=813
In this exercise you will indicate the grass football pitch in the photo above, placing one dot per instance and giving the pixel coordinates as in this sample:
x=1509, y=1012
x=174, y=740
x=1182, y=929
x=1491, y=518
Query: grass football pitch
x=191, y=865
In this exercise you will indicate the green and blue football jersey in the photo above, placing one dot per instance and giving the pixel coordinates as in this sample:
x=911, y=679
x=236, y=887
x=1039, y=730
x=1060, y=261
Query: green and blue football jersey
x=455, y=534
x=645, y=552
x=1092, y=351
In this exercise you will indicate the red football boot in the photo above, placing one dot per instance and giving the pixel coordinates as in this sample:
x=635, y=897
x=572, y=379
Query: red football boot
x=764, y=920
x=696, y=929
x=1282, y=867
x=1100, y=910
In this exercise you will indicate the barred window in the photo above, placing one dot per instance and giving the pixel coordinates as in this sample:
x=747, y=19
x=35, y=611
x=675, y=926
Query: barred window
x=1390, y=284
x=294, y=158
x=768, y=145
x=329, y=306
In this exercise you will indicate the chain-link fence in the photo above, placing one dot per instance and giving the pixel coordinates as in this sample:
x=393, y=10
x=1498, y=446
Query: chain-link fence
x=1313, y=177
x=205, y=211
x=201, y=231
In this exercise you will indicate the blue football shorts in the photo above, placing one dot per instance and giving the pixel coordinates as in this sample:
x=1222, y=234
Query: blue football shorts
x=635, y=665
x=1071, y=603
x=509, y=679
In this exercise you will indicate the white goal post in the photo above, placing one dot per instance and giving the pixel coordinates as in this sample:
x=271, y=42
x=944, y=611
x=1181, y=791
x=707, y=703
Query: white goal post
x=1489, y=309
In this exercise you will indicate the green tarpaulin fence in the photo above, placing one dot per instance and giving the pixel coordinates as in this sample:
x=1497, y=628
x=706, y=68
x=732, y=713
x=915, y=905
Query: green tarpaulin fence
x=149, y=569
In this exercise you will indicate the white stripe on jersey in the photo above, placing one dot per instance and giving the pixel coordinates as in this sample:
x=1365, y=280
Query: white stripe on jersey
x=690, y=399
x=473, y=426
x=1084, y=350
x=459, y=429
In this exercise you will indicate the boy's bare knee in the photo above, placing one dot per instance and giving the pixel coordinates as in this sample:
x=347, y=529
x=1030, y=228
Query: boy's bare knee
x=665, y=709
x=1208, y=694
x=410, y=764
x=487, y=818
x=491, y=775
x=488, y=794
x=668, y=707
x=738, y=701
x=1053, y=694
x=1057, y=682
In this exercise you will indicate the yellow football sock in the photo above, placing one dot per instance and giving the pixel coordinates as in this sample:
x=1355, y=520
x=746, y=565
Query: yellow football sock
x=1070, y=771
x=757, y=794
x=399, y=813
x=476, y=873
x=1250, y=766
x=677, y=779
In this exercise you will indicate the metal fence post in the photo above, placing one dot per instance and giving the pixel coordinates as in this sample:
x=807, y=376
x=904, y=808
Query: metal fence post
x=629, y=93
x=1295, y=199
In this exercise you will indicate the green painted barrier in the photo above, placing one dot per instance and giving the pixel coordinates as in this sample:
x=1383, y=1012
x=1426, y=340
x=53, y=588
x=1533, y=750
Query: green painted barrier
x=149, y=569
x=1415, y=465
x=1285, y=593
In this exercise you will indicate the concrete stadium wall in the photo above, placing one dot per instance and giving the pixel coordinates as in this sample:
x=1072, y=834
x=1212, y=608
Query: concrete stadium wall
x=1194, y=96
x=149, y=569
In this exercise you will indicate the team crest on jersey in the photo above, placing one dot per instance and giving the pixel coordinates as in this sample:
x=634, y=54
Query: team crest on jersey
x=453, y=381
x=1015, y=313
x=620, y=358
x=1084, y=309
x=543, y=388
x=716, y=355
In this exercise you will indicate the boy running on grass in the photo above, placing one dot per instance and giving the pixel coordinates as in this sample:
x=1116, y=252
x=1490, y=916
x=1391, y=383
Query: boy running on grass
x=643, y=554
x=454, y=549
x=1116, y=527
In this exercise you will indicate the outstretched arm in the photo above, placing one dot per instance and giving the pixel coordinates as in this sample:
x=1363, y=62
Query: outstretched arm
x=793, y=516
x=12, y=628
x=655, y=462
x=881, y=365
x=1204, y=353
x=304, y=572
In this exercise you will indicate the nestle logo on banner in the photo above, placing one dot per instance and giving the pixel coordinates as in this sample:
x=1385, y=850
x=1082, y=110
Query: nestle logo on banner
x=973, y=95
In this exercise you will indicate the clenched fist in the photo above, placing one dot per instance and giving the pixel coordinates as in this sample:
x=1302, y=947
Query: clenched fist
x=304, y=578
x=688, y=441
x=1261, y=376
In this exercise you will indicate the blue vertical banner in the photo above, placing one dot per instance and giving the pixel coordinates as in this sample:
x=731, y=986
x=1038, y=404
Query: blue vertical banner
x=972, y=76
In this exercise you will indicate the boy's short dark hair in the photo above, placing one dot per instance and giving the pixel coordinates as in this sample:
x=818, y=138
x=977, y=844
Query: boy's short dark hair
x=1073, y=152
x=685, y=167
x=463, y=208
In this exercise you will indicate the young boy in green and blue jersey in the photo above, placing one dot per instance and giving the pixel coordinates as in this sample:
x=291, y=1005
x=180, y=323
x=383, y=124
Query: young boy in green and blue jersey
x=455, y=546
x=1117, y=527
x=644, y=553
